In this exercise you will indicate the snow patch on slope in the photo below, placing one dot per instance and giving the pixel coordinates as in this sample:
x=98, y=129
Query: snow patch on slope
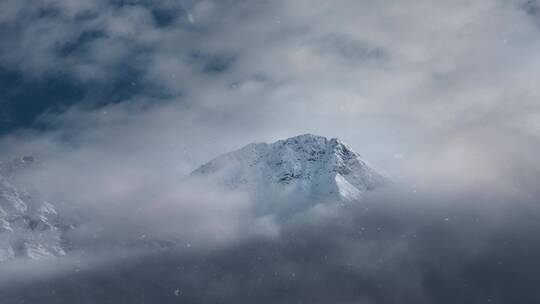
x=29, y=227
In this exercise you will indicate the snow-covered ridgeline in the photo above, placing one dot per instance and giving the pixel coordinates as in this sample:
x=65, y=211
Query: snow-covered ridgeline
x=313, y=165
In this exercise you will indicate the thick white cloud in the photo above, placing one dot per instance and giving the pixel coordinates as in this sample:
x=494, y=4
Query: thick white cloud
x=450, y=87
x=437, y=83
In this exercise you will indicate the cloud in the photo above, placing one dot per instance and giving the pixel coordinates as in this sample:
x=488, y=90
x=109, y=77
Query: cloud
x=364, y=66
x=163, y=86
x=396, y=246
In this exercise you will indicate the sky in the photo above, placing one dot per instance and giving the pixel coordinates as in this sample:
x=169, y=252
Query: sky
x=386, y=78
x=121, y=99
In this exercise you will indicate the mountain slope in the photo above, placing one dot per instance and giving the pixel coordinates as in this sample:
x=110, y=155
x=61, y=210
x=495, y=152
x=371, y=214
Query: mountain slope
x=306, y=166
x=29, y=227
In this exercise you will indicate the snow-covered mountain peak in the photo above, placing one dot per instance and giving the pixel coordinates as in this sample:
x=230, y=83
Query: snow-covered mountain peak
x=310, y=165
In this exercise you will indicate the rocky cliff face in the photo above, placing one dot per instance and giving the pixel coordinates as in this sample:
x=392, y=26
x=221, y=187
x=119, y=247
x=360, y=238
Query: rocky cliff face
x=29, y=227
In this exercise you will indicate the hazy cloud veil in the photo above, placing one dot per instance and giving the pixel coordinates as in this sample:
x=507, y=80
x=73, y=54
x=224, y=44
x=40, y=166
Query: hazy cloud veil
x=119, y=101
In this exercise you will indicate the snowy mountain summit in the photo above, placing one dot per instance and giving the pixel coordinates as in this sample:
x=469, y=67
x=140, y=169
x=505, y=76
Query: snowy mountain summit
x=307, y=166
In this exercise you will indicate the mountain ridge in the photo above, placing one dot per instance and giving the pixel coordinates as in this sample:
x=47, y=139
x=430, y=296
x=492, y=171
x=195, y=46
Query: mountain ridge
x=284, y=178
x=316, y=166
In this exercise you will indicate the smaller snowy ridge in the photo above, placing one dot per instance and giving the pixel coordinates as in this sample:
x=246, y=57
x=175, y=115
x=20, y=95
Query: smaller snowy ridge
x=28, y=226
x=308, y=165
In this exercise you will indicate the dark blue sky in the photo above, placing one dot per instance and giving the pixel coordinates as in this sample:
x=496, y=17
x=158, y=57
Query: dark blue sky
x=24, y=100
x=27, y=93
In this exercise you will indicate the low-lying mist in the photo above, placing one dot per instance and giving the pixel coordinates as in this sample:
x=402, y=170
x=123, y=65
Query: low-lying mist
x=187, y=241
x=458, y=224
x=396, y=246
